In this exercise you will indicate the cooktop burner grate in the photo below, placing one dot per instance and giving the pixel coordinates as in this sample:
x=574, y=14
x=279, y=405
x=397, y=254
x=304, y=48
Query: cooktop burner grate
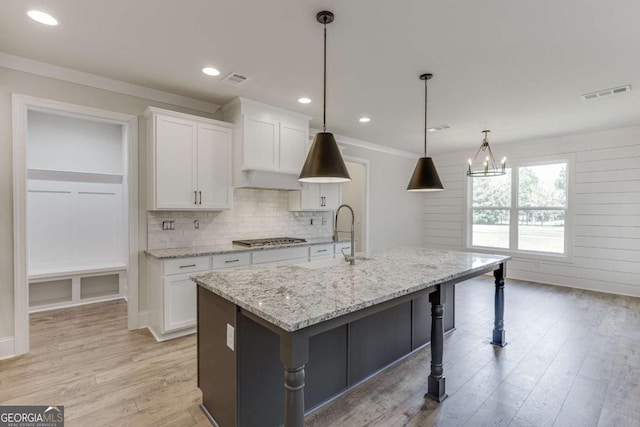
x=273, y=241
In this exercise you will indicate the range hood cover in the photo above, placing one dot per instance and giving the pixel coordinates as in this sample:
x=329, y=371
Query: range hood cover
x=269, y=180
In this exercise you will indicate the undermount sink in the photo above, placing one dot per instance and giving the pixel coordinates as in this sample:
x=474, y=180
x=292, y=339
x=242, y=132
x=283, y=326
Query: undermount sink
x=313, y=265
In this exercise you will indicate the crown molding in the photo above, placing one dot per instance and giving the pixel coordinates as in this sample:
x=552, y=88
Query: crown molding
x=352, y=142
x=31, y=66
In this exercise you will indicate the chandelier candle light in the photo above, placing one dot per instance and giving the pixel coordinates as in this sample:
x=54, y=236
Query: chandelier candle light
x=488, y=167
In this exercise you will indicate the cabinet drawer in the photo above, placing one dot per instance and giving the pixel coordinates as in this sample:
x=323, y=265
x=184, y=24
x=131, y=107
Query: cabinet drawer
x=187, y=265
x=231, y=260
x=276, y=255
x=343, y=246
x=321, y=250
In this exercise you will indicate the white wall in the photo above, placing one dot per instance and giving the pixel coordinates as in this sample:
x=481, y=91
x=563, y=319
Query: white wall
x=12, y=81
x=395, y=218
x=74, y=225
x=395, y=215
x=604, y=201
x=64, y=143
x=353, y=194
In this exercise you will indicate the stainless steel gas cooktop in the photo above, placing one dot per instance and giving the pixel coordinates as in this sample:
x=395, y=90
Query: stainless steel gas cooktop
x=273, y=241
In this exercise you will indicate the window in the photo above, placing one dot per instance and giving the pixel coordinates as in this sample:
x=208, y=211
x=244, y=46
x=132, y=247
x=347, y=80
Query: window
x=524, y=210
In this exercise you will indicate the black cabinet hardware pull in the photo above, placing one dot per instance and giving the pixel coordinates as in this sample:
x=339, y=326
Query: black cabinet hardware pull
x=322, y=250
x=195, y=197
x=200, y=194
x=232, y=260
x=187, y=266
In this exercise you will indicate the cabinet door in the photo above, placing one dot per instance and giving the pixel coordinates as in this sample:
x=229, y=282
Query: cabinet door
x=214, y=167
x=310, y=198
x=260, y=143
x=332, y=195
x=293, y=148
x=179, y=303
x=175, y=151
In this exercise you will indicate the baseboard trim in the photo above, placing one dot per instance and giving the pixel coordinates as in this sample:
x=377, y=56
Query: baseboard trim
x=614, y=288
x=7, y=348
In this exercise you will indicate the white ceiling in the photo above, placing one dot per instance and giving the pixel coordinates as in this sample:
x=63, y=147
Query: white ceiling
x=515, y=67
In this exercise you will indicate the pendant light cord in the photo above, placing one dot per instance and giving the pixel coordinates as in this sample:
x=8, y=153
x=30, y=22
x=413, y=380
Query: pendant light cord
x=425, y=118
x=324, y=100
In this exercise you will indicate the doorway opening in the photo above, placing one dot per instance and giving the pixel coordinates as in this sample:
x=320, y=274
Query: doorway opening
x=75, y=209
x=355, y=194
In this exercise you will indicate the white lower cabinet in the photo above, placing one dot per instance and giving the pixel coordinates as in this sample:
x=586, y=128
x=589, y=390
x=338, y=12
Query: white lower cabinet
x=342, y=248
x=179, y=303
x=284, y=255
x=173, y=295
x=321, y=252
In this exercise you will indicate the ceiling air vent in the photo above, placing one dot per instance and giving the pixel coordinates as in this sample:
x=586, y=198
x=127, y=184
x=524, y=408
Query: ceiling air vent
x=437, y=128
x=235, y=79
x=606, y=92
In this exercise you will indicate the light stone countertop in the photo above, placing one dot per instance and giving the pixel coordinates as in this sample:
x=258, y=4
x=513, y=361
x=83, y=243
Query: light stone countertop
x=228, y=248
x=293, y=297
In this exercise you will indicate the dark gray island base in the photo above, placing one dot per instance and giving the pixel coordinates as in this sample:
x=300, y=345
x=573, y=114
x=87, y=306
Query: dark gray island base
x=241, y=375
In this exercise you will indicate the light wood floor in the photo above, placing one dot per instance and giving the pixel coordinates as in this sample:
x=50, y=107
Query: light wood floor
x=573, y=359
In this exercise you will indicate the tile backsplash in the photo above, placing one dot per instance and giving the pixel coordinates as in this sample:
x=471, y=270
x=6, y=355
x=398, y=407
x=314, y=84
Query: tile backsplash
x=256, y=213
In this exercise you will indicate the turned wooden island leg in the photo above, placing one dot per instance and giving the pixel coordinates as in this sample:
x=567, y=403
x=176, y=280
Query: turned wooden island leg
x=436, y=381
x=499, y=337
x=294, y=354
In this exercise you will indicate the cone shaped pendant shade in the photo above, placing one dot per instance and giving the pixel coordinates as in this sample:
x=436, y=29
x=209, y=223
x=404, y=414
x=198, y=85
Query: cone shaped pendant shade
x=324, y=162
x=425, y=176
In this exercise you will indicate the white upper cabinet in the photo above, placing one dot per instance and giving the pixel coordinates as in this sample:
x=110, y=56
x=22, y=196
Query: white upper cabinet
x=189, y=162
x=261, y=143
x=213, y=160
x=316, y=197
x=293, y=147
x=269, y=142
x=175, y=152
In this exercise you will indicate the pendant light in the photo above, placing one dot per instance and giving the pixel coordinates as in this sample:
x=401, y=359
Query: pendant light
x=324, y=162
x=483, y=163
x=425, y=176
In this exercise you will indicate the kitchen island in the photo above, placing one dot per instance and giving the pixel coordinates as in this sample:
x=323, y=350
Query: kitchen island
x=322, y=323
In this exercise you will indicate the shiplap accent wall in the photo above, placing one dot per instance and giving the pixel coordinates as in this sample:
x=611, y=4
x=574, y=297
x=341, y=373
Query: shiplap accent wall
x=604, y=205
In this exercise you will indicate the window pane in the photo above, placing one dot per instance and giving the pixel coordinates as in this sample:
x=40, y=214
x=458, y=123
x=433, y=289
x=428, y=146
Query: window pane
x=542, y=186
x=541, y=231
x=492, y=191
x=490, y=228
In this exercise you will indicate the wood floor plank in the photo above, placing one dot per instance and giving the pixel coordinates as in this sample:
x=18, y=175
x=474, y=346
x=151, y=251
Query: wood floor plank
x=583, y=404
x=612, y=419
x=565, y=346
x=500, y=408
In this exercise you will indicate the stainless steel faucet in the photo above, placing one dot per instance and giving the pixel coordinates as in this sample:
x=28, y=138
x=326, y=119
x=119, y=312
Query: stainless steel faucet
x=350, y=258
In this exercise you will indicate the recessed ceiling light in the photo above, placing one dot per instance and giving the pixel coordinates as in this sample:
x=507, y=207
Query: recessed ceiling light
x=304, y=100
x=210, y=71
x=364, y=120
x=41, y=17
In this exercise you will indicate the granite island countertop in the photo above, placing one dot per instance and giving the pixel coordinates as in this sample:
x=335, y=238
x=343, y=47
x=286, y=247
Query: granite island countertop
x=227, y=248
x=293, y=297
